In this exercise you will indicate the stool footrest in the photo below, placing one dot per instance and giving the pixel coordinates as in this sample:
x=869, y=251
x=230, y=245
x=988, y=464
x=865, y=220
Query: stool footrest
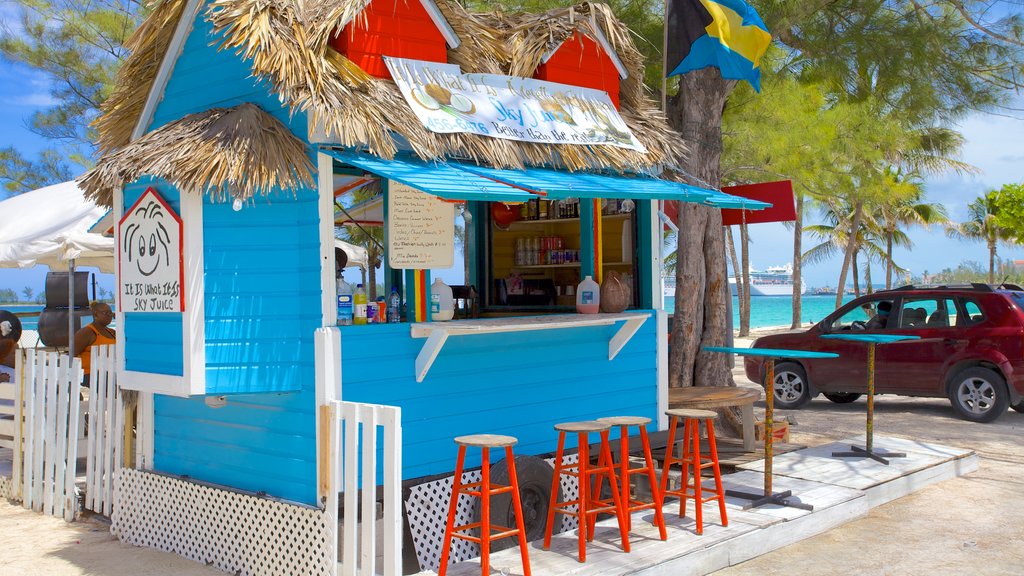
x=497, y=532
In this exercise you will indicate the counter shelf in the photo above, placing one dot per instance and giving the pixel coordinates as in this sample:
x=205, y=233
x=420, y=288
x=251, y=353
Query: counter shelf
x=437, y=333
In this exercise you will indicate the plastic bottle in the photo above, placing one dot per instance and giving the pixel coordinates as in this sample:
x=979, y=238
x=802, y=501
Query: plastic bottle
x=394, y=306
x=345, y=310
x=359, y=305
x=442, y=303
x=588, y=296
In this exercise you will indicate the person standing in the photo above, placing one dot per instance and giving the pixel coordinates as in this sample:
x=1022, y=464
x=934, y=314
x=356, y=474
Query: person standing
x=97, y=333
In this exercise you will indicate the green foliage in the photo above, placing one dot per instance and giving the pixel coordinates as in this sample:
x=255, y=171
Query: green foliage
x=28, y=291
x=8, y=295
x=77, y=47
x=1008, y=204
x=971, y=271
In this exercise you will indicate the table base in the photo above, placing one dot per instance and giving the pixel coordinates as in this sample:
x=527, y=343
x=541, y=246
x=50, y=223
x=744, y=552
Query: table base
x=760, y=499
x=877, y=455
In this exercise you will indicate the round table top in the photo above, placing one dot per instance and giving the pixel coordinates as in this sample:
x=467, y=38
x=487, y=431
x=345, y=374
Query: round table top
x=872, y=338
x=772, y=352
x=711, y=396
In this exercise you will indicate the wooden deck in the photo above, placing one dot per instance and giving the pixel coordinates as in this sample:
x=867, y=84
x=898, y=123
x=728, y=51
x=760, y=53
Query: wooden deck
x=840, y=490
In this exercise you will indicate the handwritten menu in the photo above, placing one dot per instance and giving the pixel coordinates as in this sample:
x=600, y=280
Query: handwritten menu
x=421, y=229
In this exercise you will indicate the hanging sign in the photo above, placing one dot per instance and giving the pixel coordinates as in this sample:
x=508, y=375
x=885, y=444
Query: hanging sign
x=421, y=229
x=508, y=107
x=150, y=264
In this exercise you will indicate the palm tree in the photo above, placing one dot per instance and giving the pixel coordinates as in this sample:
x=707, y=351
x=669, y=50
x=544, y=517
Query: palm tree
x=981, y=225
x=369, y=237
x=906, y=208
x=834, y=236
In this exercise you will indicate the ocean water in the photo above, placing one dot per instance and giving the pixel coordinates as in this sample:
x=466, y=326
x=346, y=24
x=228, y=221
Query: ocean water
x=768, y=311
x=27, y=322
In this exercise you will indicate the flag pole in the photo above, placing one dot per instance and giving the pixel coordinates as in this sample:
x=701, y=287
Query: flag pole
x=664, y=59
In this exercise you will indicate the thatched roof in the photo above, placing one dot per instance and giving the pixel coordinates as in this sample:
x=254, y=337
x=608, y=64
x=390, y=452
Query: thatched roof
x=227, y=152
x=287, y=44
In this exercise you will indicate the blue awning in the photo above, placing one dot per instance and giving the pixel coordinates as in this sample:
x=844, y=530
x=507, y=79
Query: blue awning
x=459, y=181
x=435, y=178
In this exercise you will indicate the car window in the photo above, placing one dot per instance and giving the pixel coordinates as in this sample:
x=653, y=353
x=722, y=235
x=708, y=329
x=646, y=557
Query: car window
x=972, y=312
x=865, y=316
x=927, y=313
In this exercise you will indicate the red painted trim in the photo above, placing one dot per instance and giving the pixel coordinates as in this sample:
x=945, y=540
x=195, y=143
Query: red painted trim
x=581, y=61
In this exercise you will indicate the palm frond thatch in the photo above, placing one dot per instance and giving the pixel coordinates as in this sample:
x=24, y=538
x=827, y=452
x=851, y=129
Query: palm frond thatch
x=228, y=152
x=287, y=42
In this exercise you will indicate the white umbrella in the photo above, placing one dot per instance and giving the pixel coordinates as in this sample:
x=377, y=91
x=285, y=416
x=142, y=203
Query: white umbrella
x=356, y=254
x=50, y=226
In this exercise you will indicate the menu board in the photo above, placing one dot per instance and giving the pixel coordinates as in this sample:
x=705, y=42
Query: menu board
x=421, y=229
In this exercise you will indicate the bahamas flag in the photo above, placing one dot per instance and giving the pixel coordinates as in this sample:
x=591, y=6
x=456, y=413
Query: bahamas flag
x=726, y=34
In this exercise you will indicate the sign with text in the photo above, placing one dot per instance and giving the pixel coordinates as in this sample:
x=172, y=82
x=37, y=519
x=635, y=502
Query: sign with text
x=421, y=229
x=508, y=107
x=150, y=248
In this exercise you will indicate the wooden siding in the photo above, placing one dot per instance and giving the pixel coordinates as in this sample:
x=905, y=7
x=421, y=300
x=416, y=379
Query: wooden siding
x=262, y=304
x=152, y=342
x=519, y=383
x=580, y=61
x=399, y=28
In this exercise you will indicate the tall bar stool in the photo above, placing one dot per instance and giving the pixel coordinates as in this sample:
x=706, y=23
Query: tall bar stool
x=484, y=490
x=691, y=458
x=589, y=505
x=625, y=470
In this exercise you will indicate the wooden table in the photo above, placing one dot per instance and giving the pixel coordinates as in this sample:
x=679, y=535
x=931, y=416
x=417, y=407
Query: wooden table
x=708, y=397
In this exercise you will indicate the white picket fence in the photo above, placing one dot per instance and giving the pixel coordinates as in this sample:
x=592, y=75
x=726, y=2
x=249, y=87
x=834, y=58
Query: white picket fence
x=8, y=414
x=105, y=441
x=52, y=423
x=368, y=546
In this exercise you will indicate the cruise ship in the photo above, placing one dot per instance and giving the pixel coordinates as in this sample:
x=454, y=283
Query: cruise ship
x=774, y=281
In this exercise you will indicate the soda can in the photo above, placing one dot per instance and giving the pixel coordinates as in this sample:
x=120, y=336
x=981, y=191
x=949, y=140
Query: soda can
x=371, y=312
x=382, y=312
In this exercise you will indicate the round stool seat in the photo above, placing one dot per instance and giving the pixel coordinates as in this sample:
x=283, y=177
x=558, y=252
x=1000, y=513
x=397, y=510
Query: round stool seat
x=486, y=440
x=626, y=420
x=692, y=413
x=584, y=426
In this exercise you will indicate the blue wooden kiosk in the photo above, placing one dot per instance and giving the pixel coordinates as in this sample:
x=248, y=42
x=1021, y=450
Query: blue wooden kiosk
x=248, y=154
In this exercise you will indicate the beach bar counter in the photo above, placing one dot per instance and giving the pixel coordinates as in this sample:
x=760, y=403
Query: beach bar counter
x=229, y=165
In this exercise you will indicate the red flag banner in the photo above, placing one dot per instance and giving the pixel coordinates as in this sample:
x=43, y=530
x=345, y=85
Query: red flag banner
x=778, y=194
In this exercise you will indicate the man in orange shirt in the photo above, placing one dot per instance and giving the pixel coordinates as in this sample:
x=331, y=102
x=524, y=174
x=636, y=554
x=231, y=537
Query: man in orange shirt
x=97, y=333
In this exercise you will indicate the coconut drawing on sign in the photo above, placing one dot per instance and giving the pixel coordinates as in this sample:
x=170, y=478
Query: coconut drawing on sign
x=434, y=97
x=147, y=241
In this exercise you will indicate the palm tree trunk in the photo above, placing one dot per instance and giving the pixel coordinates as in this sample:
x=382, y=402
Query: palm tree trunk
x=991, y=262
x=851, y=244
x=745, y=267
x=740, y=288
x=798, y=231
x=856, y=274
x=867, y=277
x=701, y=285
x=889, y=233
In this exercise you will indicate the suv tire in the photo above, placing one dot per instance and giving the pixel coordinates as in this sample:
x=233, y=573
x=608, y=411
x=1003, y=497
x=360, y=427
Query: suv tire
x=841, y=397
x=978, y=394
x=791, y=388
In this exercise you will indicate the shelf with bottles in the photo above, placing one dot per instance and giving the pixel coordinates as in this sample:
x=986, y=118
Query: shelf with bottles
x=535, y=266
x=553, y=221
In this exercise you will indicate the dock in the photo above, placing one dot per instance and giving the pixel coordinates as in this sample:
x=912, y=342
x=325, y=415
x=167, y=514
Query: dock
x=841, y=490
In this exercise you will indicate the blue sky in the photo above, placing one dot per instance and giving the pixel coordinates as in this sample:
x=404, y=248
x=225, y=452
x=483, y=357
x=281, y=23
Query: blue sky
x=993, y=145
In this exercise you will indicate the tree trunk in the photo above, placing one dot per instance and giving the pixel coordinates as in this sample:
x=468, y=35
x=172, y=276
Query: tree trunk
x=991, y=262
x=867, y=277
x=745, y=266
x=889, y=233
x=701, y=285
x=855, y=268
x=730, y=245
x=798, y=232
x=851, y=243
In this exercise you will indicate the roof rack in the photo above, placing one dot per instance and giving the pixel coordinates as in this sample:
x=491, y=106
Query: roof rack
x=977, y=286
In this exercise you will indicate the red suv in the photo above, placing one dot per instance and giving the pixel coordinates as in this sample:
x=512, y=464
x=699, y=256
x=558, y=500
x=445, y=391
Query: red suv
x=971, y=350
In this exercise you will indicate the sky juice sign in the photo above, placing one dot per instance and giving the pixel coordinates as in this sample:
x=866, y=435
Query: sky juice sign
x=508, y=107
x=150, y=250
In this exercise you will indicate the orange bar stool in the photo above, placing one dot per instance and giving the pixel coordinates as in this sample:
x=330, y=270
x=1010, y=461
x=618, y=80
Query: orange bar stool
x=691, y=459
x=484, y=490
x=625, y=470
x=589, y=505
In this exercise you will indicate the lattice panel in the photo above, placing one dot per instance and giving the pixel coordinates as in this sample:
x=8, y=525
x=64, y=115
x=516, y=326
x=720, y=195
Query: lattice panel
x=237, y=533
x=6, y=488
x=427, y=512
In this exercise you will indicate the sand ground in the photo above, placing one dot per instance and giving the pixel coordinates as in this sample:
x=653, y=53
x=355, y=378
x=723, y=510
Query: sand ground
x=967, y=526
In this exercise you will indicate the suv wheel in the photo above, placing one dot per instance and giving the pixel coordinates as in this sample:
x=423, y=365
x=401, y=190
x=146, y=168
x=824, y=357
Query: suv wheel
x=841, y=397
x=979, y=394
x=791, y=388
